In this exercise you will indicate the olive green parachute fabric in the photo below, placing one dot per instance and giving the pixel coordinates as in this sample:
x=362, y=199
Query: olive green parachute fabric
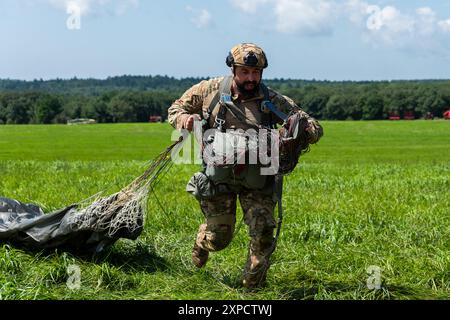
x=88, y=226
x=28, y=226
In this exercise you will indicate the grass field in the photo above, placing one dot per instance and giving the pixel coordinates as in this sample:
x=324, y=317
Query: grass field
x=369, y=194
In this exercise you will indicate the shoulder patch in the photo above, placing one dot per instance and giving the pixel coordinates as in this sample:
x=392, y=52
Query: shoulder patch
x=208, y=86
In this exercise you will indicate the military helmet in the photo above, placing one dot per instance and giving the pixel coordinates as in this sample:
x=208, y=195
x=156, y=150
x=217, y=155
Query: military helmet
x=247, y=54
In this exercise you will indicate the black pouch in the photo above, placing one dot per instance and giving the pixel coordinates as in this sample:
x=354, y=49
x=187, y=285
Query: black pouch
x=201, y=187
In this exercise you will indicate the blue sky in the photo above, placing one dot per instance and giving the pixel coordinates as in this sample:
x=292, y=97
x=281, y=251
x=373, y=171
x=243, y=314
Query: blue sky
x=303, y=39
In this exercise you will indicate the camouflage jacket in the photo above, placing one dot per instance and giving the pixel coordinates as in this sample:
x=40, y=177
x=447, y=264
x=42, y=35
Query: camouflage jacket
x=197, y=100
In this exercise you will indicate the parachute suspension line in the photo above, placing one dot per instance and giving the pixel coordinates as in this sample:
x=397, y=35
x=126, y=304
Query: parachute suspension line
x=125, y=210
x=159, y=202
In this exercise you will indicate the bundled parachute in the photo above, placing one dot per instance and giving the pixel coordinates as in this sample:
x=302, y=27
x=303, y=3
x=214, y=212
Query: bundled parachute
x=294, y=141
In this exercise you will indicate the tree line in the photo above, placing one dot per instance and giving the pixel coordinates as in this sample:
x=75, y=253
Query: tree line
x=136, y=98
x=114, y=106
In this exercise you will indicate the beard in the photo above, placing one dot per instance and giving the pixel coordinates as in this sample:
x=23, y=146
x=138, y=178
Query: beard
x=248, y=88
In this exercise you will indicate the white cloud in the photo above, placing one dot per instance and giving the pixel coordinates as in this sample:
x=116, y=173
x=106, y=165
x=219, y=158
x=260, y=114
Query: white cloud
x=309, y=17
x=425, y=11
x=379, y=24
x=356, y=11
x=123, y=6
x=444, y=25
x=426, y=21
x=306, y=17
x=90, y=6
x=249, y=6
x=389, y=25
x=389, y=18
x=84, y=6
x=202, y=18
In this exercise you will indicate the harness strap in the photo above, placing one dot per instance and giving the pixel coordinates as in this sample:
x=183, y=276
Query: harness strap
x=279, y=194
x=224, y=89
x=223, y=96
x=267, y=107
x=266, y=118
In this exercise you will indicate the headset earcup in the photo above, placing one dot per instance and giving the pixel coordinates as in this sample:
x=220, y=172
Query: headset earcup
x=266, y=64
x=230, y=60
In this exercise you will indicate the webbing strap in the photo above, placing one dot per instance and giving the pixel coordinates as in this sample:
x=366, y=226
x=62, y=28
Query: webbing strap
x=266, y=117
x=279, y=194
x=223, y=95
x=268, y=107
x=265, y=91
x=224, y=87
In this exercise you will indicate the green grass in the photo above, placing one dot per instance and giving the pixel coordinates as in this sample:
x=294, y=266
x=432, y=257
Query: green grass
x=369, y=194
x=99, y=142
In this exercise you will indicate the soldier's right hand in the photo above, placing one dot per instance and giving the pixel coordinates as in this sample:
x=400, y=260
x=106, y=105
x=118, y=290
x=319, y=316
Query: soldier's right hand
x=189, y=123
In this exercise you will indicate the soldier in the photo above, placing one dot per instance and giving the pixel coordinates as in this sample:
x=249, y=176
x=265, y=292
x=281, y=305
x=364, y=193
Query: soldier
x=217, y=188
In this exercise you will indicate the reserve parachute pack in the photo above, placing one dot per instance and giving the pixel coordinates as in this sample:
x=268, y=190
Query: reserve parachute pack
x=225, y=148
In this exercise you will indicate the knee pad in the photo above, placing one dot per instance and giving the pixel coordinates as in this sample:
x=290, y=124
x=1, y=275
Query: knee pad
x=220, y=237
x=218, y=232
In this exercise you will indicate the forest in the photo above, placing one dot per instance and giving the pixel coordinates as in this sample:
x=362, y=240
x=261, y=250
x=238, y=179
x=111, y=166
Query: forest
x=137, y=98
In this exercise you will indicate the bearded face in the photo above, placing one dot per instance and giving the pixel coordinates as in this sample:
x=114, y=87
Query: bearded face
x=247, y=79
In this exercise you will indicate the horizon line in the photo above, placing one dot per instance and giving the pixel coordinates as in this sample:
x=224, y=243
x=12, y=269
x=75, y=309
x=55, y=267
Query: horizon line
x=210, y=77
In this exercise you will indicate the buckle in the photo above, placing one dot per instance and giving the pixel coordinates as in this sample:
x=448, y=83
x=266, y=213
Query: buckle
x=225, y=98
x=219, y=122
x=264, y=107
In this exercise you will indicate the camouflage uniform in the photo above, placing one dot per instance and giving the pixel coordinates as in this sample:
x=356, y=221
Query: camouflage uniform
x=257, y=204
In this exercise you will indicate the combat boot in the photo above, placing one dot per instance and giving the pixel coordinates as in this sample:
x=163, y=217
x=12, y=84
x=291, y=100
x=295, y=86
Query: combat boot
x=254, y=278
x=199, y=256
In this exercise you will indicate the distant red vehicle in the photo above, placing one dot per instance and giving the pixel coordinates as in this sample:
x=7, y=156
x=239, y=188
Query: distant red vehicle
x=155, y=119
x=394, y=116
x=409, y=115
x=447, y=115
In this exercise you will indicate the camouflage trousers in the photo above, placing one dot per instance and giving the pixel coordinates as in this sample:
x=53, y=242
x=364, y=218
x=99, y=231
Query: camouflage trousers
x=217, y=231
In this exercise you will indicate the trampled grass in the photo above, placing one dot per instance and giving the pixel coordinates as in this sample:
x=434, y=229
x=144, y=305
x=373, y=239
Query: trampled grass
x=369, y=194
